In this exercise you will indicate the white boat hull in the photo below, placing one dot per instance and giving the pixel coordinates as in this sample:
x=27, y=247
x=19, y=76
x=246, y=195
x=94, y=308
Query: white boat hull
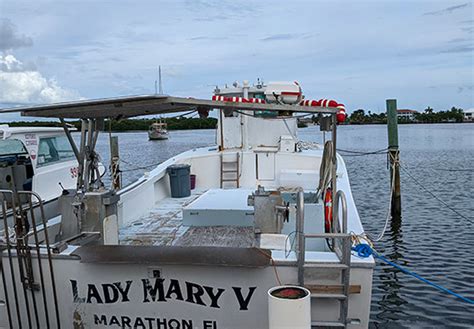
x=94, y=295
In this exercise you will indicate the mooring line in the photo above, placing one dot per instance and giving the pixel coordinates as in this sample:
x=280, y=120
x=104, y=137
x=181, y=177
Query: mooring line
x=365, y=250
x=435, y=196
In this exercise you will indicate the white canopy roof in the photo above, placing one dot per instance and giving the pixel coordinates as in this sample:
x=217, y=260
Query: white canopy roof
x=132, y=106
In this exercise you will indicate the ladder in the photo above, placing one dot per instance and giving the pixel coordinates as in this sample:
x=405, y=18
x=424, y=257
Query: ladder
x=230, y=169
x=342, y=248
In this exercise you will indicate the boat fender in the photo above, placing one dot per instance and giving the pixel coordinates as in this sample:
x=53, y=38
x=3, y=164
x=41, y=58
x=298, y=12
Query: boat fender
x=328, y=210
x=341, y=113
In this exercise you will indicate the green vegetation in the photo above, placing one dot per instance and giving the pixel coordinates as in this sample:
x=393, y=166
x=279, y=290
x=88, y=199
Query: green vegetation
x=178, y=123
x=428, y=116
x=359, y=117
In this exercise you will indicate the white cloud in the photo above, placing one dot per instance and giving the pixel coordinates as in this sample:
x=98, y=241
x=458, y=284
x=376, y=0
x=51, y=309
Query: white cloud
x=20, y=84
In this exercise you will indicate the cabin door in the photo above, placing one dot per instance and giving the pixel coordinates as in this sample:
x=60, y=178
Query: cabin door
x=265, y=166
x=232, y=132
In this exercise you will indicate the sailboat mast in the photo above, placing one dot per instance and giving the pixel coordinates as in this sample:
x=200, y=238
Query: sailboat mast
x=159, y=79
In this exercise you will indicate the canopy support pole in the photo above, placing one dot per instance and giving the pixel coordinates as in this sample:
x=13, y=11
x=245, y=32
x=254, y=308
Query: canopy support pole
x=70, y=139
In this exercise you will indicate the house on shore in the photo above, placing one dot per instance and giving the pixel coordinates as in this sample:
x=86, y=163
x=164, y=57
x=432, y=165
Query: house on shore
x=407, y=115
x=469, y=115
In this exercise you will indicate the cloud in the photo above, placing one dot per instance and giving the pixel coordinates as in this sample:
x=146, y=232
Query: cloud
x=468, y=29
x=20, y=84
x=459, y=49
x=465, y=88
x=278, y=37
x=207, y=38
x=288, y=36
x=448, y=10
x=9, y=37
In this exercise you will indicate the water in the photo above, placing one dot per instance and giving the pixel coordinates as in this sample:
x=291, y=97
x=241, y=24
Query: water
x=431, y=239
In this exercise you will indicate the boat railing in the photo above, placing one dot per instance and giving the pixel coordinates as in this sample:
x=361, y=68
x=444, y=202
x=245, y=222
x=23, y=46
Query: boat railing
x=18, y=245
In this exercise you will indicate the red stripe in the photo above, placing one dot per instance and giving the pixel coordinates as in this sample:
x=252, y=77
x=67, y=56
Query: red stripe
x=295, y=93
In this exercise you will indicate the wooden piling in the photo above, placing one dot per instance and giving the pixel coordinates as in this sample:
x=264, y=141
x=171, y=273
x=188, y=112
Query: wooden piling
x=394, y=155
x=114, y=163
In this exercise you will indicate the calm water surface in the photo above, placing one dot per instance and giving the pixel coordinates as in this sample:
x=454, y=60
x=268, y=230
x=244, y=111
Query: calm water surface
x=430, y=239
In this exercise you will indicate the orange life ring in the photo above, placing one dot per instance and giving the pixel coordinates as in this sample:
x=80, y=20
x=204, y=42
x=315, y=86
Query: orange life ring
x=328, y=210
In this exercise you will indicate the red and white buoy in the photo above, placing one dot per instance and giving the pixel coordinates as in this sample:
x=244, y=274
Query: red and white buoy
x=341, y=112
x=235, y=99
x=257, y=101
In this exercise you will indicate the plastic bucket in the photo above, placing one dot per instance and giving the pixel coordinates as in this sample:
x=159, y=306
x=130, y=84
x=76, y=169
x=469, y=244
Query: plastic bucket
x=180, y=182
x=289, y=307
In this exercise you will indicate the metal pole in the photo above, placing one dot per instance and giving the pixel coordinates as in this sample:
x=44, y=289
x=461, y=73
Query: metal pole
x=334, y=166
x=87, y=172
x=221, y=124
x=80, y=169
x=70, y=139
x=300, y=235
x=394, y=154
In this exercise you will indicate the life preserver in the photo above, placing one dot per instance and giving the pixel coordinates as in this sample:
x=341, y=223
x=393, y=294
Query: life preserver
x=328, y=210
x=235, y=99
x=341, y=112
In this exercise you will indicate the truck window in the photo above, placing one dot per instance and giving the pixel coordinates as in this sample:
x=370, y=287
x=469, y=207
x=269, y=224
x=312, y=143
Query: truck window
x=53, y=150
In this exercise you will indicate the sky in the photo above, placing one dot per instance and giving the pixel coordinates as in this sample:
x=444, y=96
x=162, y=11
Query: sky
x=359, y=53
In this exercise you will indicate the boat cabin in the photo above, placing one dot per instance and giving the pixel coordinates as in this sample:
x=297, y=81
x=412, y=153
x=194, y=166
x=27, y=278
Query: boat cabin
x=36, y=159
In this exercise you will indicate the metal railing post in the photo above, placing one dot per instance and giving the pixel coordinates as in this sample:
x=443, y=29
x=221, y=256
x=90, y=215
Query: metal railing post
x=300, y=235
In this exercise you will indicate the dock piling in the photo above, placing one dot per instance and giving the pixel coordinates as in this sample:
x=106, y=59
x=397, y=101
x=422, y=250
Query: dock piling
x=394, y=155
x=114, y=162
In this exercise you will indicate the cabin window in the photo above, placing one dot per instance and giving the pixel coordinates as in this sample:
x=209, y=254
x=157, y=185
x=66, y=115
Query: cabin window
x=53, y=150
x=12, y=147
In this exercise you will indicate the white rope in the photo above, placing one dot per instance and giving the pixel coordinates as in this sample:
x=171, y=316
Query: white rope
x=387, y=219
x=303, y=145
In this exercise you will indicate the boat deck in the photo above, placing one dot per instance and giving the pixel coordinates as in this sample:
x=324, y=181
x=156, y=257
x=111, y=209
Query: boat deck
x=163, y=226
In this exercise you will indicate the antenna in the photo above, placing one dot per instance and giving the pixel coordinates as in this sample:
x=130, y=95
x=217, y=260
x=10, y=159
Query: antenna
x=156, y=87
x=159, y=78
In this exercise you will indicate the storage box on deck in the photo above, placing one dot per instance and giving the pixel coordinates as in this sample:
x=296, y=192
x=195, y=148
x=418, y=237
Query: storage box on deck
x=218, y=207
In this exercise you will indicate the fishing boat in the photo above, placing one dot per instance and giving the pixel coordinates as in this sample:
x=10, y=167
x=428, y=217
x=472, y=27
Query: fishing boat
x=263, y=240
x=158, y=131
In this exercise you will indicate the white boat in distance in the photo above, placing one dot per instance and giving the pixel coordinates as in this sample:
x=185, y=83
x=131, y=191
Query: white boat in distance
x=265, y=212
x=158, y=131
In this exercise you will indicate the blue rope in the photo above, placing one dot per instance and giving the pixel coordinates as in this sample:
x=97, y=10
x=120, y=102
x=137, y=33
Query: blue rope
x=364, y=250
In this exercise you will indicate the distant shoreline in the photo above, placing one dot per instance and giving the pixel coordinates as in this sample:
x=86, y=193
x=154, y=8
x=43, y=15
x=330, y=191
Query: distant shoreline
x=180, y=123
x=190, y=124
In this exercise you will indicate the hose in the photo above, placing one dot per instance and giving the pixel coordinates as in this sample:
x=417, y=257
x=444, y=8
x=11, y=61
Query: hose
x=325, y=170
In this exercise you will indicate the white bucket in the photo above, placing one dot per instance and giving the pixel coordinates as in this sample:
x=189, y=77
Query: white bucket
x=287, y=313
